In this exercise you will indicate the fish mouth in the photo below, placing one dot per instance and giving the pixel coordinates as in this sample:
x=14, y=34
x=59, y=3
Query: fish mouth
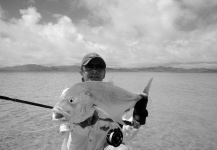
x=59, y=115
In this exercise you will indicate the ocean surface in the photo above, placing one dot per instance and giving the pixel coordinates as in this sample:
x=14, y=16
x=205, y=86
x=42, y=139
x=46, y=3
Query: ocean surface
x=182, y=110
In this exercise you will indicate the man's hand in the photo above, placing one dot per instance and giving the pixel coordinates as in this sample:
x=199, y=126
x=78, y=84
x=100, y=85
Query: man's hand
x=140, y=112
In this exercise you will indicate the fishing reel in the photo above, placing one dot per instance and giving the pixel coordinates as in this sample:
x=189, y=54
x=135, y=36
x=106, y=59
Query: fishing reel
x=114, y=137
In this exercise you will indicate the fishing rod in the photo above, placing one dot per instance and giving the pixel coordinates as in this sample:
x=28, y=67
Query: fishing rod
x=25, y=102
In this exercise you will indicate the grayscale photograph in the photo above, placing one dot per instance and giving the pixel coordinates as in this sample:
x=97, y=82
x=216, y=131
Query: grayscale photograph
x=108, y=74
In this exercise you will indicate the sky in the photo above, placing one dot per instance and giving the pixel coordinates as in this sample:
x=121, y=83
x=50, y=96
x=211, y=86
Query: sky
x=126, y=33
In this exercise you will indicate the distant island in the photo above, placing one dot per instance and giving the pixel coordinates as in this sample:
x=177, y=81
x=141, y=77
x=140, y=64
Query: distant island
x=40, y=68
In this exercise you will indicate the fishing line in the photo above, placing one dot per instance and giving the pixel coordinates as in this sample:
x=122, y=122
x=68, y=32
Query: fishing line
x=151, y=100
x=39, y=130
x=31, y=131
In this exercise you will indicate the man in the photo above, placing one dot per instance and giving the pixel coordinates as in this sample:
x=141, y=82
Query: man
x=85, y=136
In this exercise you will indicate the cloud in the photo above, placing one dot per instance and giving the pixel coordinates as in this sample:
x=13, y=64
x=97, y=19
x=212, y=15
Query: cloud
x=24, y=40
x=196, y=14
x=31, y=1
x=127, y=34
x=53, y=0
x=155, y=32
x=29, y=16
x=1, y=12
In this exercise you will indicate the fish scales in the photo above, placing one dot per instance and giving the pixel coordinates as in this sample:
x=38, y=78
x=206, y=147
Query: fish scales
x=81, y=100
x=109, y=93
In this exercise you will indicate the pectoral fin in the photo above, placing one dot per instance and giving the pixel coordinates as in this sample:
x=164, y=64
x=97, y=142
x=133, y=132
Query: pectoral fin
x=119, y=120
x=106, y=115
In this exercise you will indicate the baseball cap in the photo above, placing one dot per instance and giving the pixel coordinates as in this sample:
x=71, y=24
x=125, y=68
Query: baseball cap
x=88, y=57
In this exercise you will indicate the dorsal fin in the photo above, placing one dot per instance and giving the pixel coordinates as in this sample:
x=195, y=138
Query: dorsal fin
x=111, y=82
x=111, y=79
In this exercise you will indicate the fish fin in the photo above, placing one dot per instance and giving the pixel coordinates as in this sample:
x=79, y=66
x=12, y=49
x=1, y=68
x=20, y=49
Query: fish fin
x=127, y=110
x=147, y=88
x=111, y=79
x=119, y=120
x=101, y=111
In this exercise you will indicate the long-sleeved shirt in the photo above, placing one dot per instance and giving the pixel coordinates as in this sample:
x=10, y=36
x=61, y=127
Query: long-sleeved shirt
x=93, y=137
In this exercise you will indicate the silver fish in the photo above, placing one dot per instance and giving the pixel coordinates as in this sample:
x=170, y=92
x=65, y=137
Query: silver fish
x=81, y=100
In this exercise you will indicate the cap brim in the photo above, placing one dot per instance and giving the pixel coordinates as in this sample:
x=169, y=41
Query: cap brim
x=102, y=62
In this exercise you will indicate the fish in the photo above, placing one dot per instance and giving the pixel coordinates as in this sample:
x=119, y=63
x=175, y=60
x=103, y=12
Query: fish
x=79, y=102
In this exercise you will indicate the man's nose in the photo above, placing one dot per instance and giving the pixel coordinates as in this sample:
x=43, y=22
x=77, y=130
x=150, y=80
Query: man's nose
x=94, y=71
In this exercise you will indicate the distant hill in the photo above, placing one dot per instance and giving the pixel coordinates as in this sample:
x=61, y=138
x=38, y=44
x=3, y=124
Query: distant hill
x=40, y=68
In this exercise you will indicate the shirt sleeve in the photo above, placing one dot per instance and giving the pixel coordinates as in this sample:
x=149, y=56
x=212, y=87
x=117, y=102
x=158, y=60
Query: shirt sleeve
x=129, y=131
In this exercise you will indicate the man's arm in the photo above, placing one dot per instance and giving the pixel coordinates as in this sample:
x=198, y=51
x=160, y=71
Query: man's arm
x=140, y=112
x=133, y=124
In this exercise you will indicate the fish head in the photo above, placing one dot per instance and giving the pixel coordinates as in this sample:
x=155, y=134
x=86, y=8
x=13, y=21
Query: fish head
x=75, y=106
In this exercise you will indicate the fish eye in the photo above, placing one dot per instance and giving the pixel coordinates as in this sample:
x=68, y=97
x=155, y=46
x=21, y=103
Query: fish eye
x=71, y=100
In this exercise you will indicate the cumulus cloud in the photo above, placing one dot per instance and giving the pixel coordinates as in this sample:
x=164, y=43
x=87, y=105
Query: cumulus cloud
x=126, y=33
x=24, y=40
x=1, y=12
x=196, y=14
x=31, y=1
x=157, y=32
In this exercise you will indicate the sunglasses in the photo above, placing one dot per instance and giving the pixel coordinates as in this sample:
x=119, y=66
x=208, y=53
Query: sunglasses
x=93, y=67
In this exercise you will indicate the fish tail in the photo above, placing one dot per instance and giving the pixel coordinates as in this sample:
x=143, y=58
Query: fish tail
x=148, y=86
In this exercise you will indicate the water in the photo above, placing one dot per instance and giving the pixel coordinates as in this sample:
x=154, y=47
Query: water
x=182, y=117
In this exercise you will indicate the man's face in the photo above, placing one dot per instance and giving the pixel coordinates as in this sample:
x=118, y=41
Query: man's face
x=93, y=71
